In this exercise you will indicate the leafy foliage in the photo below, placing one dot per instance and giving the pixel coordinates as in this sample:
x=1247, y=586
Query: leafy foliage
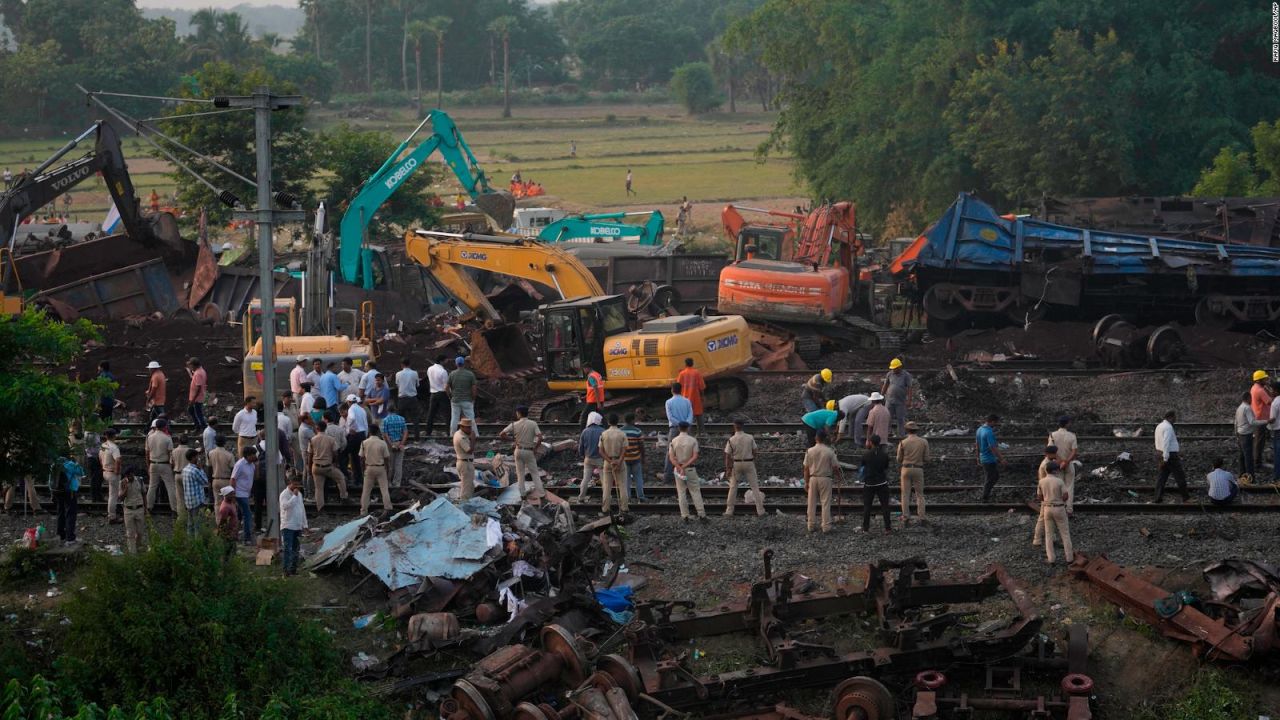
x=32, y=343
x=899, y=104
x=230, y=138
x=206, y=635
x=351, y=155
x=693, y=86
x=1237, y=172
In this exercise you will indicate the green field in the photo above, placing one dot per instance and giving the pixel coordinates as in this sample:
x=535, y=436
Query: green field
x=710, y=159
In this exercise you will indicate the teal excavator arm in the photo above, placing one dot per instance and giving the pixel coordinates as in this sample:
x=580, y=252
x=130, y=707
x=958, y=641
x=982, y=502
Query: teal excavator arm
x=396, y=169
x=605, y=225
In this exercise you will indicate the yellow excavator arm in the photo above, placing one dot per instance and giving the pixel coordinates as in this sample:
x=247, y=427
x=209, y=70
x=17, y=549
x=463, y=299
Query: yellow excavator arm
x=446, y=254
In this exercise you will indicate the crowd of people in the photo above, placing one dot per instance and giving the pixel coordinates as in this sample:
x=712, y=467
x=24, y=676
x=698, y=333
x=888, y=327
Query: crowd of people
x=345, y=426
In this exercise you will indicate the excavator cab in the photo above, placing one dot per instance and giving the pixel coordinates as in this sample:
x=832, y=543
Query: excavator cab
x=574, y=333
x=770, y=242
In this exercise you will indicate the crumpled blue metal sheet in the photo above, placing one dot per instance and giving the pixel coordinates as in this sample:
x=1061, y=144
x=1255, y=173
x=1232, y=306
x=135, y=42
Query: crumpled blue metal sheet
x=440, y=542
x=336, y=542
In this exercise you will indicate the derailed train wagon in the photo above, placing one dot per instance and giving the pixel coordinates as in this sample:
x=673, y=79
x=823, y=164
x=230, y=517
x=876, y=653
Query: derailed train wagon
x=974, y=265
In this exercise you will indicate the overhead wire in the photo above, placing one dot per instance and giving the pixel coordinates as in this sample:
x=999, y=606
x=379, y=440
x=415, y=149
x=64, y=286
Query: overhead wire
x=148, y=97
x=195, y=114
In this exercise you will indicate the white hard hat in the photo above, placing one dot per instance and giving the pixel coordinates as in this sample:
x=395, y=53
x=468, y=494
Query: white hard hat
x=302, y=358
x=876, y=397
x=153, y=365
x=353, y=398
x=595, y=418
x=226, y=490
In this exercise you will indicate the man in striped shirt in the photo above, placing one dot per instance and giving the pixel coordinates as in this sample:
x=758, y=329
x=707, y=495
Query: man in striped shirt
x=194, y=482
x=634, y=456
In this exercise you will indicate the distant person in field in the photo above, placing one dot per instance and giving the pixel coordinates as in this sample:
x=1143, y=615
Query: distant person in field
x=629, y=190
x=573, y=152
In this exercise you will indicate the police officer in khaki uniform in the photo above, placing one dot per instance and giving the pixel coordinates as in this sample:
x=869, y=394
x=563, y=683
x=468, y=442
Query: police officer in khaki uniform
x=1053, y=510
x=740, y=466
x=1068, y=451
x=160, y=468
x=527, y=436
x=683, y=455
x=135, y=519
x=613, y=445
x=464, y=448
x=1050, y=457
x=821, y=468
x=374, y=455
x=109, y=457
x=913, y=453
x=324, y=452
x=221, y=461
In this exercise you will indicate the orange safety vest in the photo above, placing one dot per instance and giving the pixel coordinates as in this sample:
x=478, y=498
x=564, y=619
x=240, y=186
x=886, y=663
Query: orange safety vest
x=595, y=393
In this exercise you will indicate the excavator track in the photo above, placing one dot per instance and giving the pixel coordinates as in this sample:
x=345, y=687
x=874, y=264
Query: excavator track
x=886, y=338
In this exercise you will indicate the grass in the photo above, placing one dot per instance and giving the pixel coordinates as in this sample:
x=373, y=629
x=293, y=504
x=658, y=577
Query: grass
x=672, y=155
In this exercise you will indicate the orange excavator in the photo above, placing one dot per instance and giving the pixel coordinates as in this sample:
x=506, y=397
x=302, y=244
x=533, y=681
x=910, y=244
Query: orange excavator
x=804, y=280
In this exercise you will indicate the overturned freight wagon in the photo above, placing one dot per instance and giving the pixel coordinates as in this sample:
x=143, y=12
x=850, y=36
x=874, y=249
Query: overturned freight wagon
x=975, y=266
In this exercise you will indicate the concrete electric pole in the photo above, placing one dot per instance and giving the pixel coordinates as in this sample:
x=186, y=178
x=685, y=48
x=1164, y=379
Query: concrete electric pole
x=263, y=103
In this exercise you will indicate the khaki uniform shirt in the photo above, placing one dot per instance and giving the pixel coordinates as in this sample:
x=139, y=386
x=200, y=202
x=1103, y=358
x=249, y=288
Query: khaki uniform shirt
x=613, y=443
x=220, y=462
x=821, y=461
x=323, y=448
x=913, y=450
x=525, y=433
x=133, y=494
x=1044, y=467
x=683, y=447
x=741, y=446
x=1065, y=441
x=462, y=445
x=159, y=447
x=1052, y=490
x=375, y=452
x=178, y=458
x=109, y=456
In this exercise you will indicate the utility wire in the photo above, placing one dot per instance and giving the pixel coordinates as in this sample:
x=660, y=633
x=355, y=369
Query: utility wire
x=191, y=115
x=118, y=116
x=201, y=155
x=147, y=97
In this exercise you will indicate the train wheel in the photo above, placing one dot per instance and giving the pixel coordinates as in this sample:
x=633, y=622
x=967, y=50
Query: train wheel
x=862, y=698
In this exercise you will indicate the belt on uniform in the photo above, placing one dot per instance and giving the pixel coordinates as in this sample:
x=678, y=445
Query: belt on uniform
x=159, y=462
x=521, y=447
x=247, y=437
x=1053, y=504
x=912, y=467
x=750, y=459
x=323, y=466
x=133, y=507
x=820, y=477
x=372, y=465
x=465, y=459
x=220, y=478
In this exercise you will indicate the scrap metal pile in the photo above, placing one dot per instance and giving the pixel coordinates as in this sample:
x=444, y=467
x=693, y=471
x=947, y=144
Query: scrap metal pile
x=545, y=608
x=1239, y=624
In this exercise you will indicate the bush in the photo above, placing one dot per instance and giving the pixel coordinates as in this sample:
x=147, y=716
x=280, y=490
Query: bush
x=694, y=87
x=181, y=624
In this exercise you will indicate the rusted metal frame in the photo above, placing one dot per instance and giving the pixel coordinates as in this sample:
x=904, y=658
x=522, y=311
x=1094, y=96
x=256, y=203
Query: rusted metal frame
x=1210, y=637
x=737, y=617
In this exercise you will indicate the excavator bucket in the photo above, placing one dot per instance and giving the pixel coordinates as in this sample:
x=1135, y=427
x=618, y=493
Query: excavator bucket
x=502, y=351
x=499, y=205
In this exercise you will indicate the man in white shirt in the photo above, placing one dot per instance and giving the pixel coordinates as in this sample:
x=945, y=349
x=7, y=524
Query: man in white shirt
x=366, y=381
x=317, y=369
x=1223, y=487
x=293, y=522
x=307, y=402
x=438, y=402
x=245, y=425
x=1274, y=427
x=357, y=430
x=850, y=405
x=349, y=375
x=208, y=436
x=297, y=376
x=1170, y=463
x=1246, y=426
x=407, y=396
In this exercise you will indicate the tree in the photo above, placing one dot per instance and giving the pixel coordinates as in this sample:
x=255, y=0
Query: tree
x=1238, y=173
x=501, y=27
x=33, y=343
x=230, y=138
x=693, y=86
x=437, y=26
x=350, y=155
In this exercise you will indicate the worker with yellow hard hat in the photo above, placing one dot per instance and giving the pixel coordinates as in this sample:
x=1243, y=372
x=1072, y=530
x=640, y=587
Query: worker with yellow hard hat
x=897, y=390
x=814, y=393
x=1260, y=397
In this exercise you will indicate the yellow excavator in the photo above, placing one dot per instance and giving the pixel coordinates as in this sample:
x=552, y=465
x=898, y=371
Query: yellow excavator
x=291, y=344
x=584, y=328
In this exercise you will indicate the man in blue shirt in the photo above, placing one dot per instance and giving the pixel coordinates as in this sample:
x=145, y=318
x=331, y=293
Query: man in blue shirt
x=589, y=449
x=107, y=402
x=393, y=431
x=331, y=388
x=824, y=419
x=989, y=456
x=679, y=410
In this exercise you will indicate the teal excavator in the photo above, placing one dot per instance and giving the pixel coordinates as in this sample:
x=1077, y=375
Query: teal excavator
x=356, y=260
x=608, y=226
